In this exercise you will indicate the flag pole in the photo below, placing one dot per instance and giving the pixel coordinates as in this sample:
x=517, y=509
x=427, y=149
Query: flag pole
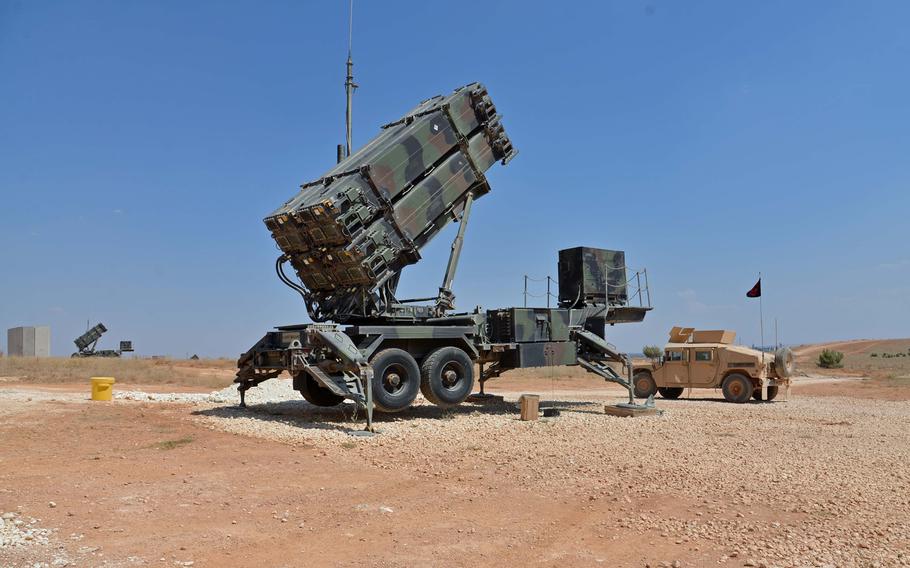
x=761, y=324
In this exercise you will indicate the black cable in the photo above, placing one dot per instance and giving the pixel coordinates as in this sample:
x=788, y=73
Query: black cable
x=279, y=269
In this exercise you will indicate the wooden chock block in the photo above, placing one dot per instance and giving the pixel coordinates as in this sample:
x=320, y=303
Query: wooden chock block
x=530, y=406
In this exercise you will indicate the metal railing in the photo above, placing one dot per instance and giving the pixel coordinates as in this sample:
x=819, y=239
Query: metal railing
x=636, y=287
x=548, y=294
x=642, y=290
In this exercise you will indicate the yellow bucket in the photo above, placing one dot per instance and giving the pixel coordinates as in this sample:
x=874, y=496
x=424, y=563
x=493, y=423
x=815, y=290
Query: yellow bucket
x=102, y=388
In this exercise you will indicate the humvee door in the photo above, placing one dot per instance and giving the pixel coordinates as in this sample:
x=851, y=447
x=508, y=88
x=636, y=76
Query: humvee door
x=675, y=370
x=703, y=366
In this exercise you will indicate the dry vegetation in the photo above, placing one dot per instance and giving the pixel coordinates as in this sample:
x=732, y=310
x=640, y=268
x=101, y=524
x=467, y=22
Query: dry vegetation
x=859, y=359
x=208, y=373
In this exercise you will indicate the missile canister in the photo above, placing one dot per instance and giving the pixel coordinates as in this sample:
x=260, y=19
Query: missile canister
x=356, y=227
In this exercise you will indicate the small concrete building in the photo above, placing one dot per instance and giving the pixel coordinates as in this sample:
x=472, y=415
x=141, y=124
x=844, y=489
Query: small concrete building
x=34, y=341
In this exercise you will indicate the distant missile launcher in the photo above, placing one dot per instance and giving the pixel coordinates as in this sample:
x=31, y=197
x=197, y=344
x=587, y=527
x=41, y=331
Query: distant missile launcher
x=87, y=342
x=349, y=234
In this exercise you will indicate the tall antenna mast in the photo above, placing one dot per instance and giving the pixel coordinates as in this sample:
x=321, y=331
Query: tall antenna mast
x=349, y=85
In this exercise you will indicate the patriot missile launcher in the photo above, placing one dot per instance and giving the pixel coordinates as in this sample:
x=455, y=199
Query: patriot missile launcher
x=87, y=342
x=350, y=233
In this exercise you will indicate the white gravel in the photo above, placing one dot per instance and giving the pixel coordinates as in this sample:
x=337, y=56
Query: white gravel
x=19, y=532
x=269, y=391
x=24, y=543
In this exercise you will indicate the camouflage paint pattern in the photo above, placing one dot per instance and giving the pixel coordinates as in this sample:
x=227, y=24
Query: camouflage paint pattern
x=547, y=354
x=90, y=336
x=517, y=325
x=591, y=276
x=359, y=225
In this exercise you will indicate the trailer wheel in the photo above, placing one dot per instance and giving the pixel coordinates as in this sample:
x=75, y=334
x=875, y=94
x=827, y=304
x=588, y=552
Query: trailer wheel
x=772, y=393
x=447, y=376
x=314, y=393
x=737, y=388
x=671, y=393
x=396, y=380
x=644, y=385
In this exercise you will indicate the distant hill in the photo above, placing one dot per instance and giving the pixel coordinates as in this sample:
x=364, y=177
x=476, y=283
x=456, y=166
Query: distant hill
x=884, y=358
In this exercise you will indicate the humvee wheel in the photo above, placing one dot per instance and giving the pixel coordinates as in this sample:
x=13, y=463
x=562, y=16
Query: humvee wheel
x=737, y=388
x=396, y=380
x=316, y=394
x=643, y=384
x=447, y=376
x=671, y=393
x=772, y=393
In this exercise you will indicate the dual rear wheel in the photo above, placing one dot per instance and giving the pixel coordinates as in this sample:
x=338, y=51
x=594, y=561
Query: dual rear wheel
x=446, y=378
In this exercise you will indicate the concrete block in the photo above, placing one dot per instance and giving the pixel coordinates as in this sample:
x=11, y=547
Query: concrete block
x=32, y=341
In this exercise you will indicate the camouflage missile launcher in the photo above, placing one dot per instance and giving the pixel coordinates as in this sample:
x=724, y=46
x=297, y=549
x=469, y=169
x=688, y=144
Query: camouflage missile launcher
x=87, y=342
x=349, y=233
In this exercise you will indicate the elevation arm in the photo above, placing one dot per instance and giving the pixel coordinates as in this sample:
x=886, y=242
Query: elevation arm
x=446, y=299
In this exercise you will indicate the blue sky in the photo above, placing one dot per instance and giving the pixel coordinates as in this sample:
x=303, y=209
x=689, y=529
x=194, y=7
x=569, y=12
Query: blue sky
x=142, y=143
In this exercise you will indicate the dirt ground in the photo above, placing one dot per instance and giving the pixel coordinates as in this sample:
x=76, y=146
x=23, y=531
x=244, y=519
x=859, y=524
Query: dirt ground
x=820, y=480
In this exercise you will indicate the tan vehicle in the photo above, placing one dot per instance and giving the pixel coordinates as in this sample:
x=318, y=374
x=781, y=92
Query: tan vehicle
x=708, y=359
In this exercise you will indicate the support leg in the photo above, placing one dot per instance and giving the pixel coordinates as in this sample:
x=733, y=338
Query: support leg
x=369, y=390
x=242, y=389
x=630, y=386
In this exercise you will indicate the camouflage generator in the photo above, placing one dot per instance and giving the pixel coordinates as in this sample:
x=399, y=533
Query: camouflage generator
x=349, y=234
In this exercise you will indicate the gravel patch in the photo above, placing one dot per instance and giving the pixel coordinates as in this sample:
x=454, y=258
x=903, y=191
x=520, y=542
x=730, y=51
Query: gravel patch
x=269, y=391
x=24, y=543
x=816, y=481
x=810, y=482
x=19, y=532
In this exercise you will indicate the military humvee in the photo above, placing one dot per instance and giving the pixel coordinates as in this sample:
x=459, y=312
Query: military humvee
x=708, y=359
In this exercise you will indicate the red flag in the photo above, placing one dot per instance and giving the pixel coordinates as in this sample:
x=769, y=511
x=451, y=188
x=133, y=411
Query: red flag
x=755, y=292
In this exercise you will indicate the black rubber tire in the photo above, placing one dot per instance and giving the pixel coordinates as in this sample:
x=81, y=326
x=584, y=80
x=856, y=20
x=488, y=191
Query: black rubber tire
x=314, y=393
x=643, y=384
x=772, y=393
x=396, y=380
x=442, y=389
x=737, y=388
x=671, y=393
